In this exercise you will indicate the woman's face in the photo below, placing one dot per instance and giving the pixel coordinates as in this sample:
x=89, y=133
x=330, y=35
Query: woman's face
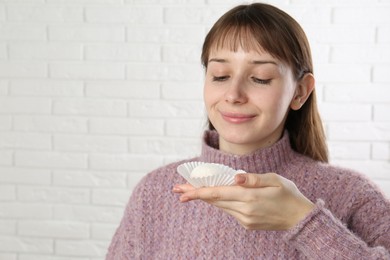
x=247, y=96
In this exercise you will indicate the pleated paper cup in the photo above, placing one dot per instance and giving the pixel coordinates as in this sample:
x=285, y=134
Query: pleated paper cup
x=224, y=175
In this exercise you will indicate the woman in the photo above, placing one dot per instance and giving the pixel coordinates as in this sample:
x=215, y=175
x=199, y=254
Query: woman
x=260, y=101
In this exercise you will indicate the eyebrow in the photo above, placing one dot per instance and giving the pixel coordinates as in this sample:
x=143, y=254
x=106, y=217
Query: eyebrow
x=252, y=62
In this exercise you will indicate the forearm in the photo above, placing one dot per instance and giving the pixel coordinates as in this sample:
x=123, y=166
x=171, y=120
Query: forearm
x=321, y=236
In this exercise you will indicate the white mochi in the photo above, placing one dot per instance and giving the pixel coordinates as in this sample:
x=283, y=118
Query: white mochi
x=205, y=170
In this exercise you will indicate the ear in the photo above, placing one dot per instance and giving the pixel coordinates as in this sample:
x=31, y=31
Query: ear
x=304, y=88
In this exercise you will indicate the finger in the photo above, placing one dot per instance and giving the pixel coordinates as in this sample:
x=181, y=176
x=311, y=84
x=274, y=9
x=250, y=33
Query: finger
x=181, y=188
x=212, y=194
x=250, y=180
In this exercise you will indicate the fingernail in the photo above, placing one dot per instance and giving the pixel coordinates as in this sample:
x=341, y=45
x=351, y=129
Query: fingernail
x=176, y=189
x=240, y=179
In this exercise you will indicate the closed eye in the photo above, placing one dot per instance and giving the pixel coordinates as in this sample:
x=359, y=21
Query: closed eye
x=220, y=78
x=261, y=81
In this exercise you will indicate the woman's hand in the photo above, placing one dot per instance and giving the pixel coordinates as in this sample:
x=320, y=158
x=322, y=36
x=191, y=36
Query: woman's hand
x=258, y=201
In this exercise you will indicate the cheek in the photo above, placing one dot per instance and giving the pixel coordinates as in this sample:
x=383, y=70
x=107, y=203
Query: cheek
x=210, y=96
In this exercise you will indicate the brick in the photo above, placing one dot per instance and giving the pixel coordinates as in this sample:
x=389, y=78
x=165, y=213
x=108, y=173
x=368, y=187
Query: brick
x=381, y=112
x=22, y=32
x=133, y=179
x=7, y=227
x=87, y=33
x=341, y=73
x=174, y=72
x=367, y=53
x=51, y=159
x=181, y=53
x=5, y=123
x=384, y=185
x=123, y=89
x=378, y=14
x=383, y=33
x=320, y=53
x=359, y=131
x=53, y=228
x=25, y=176
x=2, y=13
x=4, y=87
x=372, y=169
x=3, y=51
x=110, y=197
x=380, y=151
x=18, y=210
x=6, y=256
x=185, y=127
x=81, y=248
x=85, y=1
x=49, y=257
x=26, y=245
x=333, y=2
x=82, y=143
x=51, y=124
x=195, y=14
x=25, y=69
x=7, y=193
x=341, y=33
x=53, y=194
x=127, y=126
x=345, y=112
x=311, y=14
x=46, y=87
x=362, y=93
x=107, y=179
x=123, y=14
x=88, y=213
x=381, y=73
x=166, y=146
x=191, y=34
x=44, y=13
x=23, y=1
x=89, y=106
x=102, y=231
x=24, y=105
x=45, y=51
x=15, y=140
x=124, y=162
x=349, y=150
x=166, y=2
x=6, y=158
x=182, y=90
x=87, y=70
x=166, y=109
x=123, y=52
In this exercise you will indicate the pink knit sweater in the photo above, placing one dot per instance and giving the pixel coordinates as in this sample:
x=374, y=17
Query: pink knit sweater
x=351, y=219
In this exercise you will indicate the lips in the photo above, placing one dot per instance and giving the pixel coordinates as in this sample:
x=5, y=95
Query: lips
x=237, y=118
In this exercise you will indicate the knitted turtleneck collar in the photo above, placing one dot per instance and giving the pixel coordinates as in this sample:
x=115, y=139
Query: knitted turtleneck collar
x=263, y=160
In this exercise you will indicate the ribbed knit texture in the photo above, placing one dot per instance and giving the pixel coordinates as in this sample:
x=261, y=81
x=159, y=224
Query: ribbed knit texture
x=351, y=219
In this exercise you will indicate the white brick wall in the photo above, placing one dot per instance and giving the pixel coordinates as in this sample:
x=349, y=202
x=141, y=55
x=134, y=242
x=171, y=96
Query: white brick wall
x=96, y=93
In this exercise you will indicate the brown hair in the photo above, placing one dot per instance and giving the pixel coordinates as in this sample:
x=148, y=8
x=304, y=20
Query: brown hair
x=266, y=28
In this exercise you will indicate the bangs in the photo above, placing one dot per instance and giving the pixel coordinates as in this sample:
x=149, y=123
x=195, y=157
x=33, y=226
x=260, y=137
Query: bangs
x=234, y=37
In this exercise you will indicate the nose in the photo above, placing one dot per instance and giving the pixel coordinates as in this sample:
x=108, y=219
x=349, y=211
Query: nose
x=235, y=93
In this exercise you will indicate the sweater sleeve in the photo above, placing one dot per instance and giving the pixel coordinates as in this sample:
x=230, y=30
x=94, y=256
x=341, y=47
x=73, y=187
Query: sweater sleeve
x=322, y=236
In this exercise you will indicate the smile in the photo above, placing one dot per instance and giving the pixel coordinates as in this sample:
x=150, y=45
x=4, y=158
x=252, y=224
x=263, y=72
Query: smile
x=237, y=118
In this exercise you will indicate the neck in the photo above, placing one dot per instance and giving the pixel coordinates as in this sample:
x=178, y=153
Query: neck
x=244, y=149
x=269, y=159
